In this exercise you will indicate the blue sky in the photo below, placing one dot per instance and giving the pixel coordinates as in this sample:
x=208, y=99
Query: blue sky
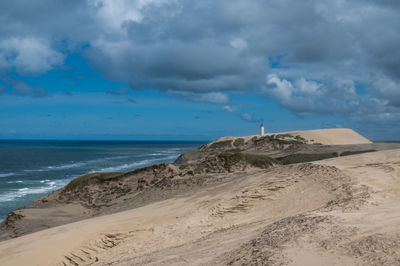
x=161, y=69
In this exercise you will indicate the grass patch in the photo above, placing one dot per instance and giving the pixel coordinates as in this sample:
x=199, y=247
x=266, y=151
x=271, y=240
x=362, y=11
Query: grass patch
x=283, y=136
x=84, y=179
x=306, y=157
x=346, y=153
x=221, y=144
x=300, y=139
x=234, y=150
x=256, y=160
x=238, y=142
x=260, y=161
x=282, y=140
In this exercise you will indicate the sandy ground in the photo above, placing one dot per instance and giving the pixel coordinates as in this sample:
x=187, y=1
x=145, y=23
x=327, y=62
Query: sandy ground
x=342, y=211
x=333, y=136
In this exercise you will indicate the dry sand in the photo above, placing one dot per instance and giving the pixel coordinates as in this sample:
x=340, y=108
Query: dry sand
x=342, y=211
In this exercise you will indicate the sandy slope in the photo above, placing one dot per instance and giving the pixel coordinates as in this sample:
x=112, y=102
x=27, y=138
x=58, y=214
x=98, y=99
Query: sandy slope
x=306, y=214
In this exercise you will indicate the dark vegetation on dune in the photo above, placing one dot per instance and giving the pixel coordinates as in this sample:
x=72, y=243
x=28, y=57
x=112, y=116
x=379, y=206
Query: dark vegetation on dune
x=310, y=157
x=226, y=161
x=86, y=179
x=281, y=139
x=345, y=153
x=238, y=142
x=227, y=156
x=221, y=144
x=256, y=160
x=305, y=157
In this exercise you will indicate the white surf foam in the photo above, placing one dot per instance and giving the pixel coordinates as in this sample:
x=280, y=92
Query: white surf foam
x=134, y=165
x=74, y=164
x=15, y=182
x=48, y=185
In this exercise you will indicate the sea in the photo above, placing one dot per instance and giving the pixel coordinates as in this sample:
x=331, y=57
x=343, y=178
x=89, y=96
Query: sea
x=31, y=169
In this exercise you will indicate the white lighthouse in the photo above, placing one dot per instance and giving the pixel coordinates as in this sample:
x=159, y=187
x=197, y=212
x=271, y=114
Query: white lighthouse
x=261, y=130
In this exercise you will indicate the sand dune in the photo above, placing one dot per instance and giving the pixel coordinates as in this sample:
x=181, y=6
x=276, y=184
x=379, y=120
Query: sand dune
x=333, y=136
x=342, y=211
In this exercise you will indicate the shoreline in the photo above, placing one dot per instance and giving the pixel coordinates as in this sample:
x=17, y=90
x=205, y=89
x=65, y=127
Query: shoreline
x=40, y=172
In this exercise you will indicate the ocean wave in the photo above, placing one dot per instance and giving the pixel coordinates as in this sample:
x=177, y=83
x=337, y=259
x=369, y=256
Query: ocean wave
x=74, y=164
x=48, y=186
x=7, y=174
x=15, y=182
x=134, y=165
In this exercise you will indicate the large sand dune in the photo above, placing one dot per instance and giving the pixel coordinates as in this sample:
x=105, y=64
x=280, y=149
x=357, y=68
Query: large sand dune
x=333, y=136
x=342, y=211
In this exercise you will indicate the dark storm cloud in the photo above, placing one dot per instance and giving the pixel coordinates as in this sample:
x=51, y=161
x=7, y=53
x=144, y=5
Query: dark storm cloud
x=22, y=89
x=200, y=50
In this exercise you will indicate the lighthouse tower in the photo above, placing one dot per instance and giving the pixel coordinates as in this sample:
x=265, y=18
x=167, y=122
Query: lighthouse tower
x=261, y=130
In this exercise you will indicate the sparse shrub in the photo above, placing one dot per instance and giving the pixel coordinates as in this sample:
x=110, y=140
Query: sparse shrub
x=283, y=136
x=300, y=139
x=84, y=179
x=238, y=142
x=256, y=160
x=221, y=144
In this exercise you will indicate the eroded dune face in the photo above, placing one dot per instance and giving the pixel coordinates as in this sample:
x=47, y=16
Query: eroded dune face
x=342, y=211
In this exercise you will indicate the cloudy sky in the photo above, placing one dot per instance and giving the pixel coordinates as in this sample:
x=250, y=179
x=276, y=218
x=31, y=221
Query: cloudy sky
x=181, y=69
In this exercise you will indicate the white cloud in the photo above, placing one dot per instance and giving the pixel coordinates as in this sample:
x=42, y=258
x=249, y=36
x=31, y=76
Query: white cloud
x=246, y=116
x=238, y=43
x=311, y=97
x=28, y=55
x=249, y=118
x=228, y=109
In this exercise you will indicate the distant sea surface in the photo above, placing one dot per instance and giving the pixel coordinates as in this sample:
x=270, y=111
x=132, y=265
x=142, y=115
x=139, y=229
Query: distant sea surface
x=31, y=169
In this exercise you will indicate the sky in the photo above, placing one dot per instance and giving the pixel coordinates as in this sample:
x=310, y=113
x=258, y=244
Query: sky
x=197, y=70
